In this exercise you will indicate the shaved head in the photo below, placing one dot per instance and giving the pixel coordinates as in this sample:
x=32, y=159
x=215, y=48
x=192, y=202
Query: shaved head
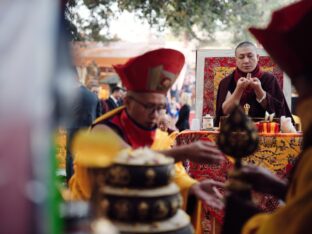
x=246, y=44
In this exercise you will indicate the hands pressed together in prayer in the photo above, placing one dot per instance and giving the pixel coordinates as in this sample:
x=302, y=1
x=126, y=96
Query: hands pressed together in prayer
x=243, y=84
x=252, y=82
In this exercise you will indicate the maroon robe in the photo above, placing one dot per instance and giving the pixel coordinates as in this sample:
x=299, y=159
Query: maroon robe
x=276, y=102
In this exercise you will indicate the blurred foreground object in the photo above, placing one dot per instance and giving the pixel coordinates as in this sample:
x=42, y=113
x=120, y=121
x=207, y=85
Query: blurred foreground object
x=32, y=92
x=288, y=40
x=238, y=138
x=238, y=135
x=140, y=195
x=96, y=148
x=93, y=152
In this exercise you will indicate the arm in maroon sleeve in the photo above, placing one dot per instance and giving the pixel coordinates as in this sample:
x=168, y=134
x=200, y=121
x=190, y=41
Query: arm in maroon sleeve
x=276, y=102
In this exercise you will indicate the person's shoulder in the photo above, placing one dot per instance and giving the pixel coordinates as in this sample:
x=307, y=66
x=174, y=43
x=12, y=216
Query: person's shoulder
x=187, y=106
x=226, y=79
x=229, y=76
x=88, y=92
x=268, y=77
x=107, y=121
x=86, y=96
x=108, y=125
x=109, y=100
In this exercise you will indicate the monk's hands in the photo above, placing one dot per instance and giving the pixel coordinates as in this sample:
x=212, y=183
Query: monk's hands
x=233, y=98
x=260, y=179
x=198, y=151
x=208, y=191
x=255, y=84
x=242, y=83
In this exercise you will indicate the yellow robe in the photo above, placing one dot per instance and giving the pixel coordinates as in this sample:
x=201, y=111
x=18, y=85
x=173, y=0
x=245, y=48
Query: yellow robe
x=80, y=188
x=296, y=216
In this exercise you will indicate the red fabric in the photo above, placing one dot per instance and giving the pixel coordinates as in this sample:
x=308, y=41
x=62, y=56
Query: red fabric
x=265, y=202
x=248, y=91
x=133, y=134
x=288, y=37
x=227, y=65
x=154, y=71
x=217, y=172
x=265, y=127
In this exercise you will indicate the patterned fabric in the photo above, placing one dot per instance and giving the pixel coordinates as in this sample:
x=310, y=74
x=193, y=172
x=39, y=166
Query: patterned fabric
x=60, y=145
x=217, y=68
x=276, y=152
x=295, y=216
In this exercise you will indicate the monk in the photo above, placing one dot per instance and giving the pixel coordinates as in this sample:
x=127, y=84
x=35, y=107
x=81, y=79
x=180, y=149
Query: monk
x=248, y=84
x=288, y=41
x=147, y=79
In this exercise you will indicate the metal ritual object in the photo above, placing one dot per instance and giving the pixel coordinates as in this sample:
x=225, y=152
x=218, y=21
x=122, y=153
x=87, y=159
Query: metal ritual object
x=139, y=195
x=238, y=138
x=246, y=109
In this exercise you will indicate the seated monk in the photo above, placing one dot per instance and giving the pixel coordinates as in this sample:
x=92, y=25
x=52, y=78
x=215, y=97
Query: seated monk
x=248, y=84
x=288, y=41
x=148, y=78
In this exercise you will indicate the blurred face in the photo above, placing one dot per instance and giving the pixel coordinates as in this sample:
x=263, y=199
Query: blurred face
x=246, y=58
x=145, y=108
x=117, y=94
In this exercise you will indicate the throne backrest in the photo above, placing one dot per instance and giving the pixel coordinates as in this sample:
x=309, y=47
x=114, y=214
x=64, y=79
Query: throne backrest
x=214, y=65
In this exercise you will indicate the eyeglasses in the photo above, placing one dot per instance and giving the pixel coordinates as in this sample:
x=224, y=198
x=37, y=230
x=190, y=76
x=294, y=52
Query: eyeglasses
x=150, y=108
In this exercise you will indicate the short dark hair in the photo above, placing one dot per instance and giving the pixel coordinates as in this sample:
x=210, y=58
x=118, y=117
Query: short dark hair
x=116, y=89
x=244, y=44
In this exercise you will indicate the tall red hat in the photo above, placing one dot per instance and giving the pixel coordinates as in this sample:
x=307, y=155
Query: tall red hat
x=288, y=38
x=154, y=71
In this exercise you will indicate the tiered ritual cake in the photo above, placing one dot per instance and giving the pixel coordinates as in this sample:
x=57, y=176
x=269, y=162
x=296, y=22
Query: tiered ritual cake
x=140, y=197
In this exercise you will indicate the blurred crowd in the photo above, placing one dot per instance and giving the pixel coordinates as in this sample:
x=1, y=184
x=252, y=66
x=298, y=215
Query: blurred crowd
x=179, y=109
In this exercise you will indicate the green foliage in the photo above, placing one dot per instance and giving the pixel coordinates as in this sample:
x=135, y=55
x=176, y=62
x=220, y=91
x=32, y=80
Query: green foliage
x=196, y=19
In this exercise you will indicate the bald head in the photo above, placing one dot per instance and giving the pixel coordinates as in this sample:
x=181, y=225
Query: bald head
x=245, y=44
x=246, y=57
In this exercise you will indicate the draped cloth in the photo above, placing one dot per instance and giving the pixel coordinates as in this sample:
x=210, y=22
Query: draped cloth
x=295, y=216
x=119, y=121
x=276, y=152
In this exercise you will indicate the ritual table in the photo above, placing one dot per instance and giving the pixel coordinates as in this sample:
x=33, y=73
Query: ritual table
x=276, y=152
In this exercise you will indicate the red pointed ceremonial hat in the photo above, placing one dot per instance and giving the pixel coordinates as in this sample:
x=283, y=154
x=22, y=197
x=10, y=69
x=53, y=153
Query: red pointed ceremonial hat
x=154, y=71
x=288, y=38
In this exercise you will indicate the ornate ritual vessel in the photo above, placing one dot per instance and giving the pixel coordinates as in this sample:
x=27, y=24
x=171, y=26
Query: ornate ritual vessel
x=238, y=138
x=133, y=188
x=238, y=135
x=140, y=169
x=139, y=195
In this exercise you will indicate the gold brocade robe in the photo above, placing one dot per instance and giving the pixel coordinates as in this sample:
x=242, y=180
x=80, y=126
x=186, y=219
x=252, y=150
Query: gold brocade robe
x=295, y=217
